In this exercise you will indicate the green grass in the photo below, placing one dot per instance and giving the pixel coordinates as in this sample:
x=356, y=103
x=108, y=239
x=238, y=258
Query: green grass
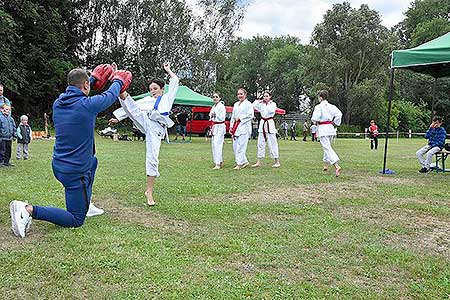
x=289, y=233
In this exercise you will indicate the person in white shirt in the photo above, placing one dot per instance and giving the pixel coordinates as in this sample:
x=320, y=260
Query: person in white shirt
x=267, y=130
x=285, y=127
x=313, y=129
x=217, y=117
x=153, y=123
x=241, y=128
x=327, y=116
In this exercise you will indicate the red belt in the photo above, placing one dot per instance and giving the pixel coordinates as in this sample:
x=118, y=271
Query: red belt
x=266, y=124
x=235, y=126
x=215, y=123
x=326, y=122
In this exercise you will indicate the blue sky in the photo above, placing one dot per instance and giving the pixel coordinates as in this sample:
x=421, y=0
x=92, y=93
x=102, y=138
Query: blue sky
x=298, y=17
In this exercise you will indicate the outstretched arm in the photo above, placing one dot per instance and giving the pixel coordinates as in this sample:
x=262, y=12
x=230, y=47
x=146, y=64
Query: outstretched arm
x=99, y=103
x=173, y=83
x=133, y=111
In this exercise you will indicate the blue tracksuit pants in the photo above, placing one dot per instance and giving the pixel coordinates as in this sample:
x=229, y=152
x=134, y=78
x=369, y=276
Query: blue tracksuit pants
x=78, y=190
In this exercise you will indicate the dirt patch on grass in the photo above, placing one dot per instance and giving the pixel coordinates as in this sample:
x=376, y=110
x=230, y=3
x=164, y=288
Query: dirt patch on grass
x=405, y=229
x=357, y=188
x=9, y=241
x=143, y=216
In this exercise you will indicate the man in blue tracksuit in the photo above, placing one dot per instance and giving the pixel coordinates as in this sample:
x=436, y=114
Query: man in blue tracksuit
x=74, y=162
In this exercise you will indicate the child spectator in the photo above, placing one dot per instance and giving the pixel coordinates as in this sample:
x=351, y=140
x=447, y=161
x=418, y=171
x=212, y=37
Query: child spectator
x=7, y=133
x=436, y=139
x=373, y=134
x=24, y=137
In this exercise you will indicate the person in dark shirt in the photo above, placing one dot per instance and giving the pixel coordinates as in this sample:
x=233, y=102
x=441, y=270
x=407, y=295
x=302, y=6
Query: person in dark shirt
x=74, y=163
x=182, y=119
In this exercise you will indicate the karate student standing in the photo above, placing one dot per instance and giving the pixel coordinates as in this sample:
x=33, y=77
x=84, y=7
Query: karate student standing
x=217, y=117
x=153, y=123
x=327, y=116
x=241, y=128
x=267, y=130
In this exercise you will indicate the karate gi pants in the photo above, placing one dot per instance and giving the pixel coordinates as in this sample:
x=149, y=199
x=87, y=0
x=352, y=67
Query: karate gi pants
x=217, y=144
x=329, y=155
x=155, y=132
x=271, y=142
x=78, y=191
x=240, y=148
x=429, y=151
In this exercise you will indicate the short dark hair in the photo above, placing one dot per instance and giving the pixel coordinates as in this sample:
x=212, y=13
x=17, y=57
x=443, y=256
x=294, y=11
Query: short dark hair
x=157, y=81
x=323, y=94
x=218, y=94
x=438, y=119
x=77, y=77
x=1, y=84
x=268, y=92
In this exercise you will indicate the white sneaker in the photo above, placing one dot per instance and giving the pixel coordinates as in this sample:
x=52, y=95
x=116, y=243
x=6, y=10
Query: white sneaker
x=20, y=218
x=94, y=211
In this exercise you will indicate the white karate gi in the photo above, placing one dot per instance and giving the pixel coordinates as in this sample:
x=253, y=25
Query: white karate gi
x=152, y=123
x=324, y=112
x=217, y=114
x=267, y=127
x=243, y=112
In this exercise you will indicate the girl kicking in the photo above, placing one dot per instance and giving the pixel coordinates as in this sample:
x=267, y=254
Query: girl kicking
x=153, y=123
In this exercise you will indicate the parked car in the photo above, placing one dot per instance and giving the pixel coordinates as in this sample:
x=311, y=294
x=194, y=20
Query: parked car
x=199, y=122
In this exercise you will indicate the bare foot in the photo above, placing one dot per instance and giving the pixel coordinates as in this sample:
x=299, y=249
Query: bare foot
x=150, y=201
x=257, y=165
x=338, y=171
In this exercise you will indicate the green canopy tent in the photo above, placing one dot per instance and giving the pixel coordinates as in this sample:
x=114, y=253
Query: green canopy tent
x=431, y=58
x=186, y=97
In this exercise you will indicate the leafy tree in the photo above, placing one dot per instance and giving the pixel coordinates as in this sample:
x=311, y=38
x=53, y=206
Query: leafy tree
x=432, y=15
x=39, y=47
x=356, y=45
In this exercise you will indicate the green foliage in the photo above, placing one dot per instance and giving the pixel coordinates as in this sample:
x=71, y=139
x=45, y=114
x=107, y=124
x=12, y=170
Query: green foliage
x=423, y=15
x=350, y=129
x=253, y=64
x=412, y=117
x=429, y=30
x=286, y=69
x=368, y=102
x=352, y=45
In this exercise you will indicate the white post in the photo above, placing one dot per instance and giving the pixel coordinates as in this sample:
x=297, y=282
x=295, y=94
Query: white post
x=397, y=135
x=410, y=135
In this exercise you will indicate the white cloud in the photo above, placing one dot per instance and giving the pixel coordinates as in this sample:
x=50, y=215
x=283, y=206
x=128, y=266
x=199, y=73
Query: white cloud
x=298, y=17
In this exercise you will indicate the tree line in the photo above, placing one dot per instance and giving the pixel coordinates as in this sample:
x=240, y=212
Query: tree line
x=348, y=53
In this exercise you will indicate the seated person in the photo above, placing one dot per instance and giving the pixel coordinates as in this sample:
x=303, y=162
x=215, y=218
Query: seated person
x=436, y=139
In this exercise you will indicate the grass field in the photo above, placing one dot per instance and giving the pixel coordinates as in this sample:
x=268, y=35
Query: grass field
x=290, y=233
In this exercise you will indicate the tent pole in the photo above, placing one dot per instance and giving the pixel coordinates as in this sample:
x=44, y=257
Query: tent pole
x=391, y=88
x=434, y=98
x=190, y=127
